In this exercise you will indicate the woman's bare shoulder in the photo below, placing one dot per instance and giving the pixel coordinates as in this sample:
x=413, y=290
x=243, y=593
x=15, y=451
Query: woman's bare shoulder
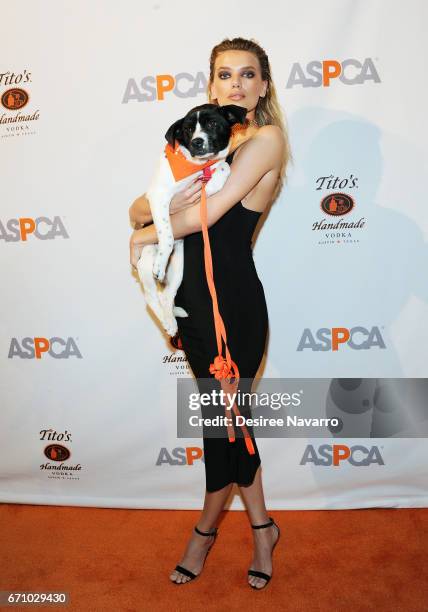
x=268, y=139
x=273, y=133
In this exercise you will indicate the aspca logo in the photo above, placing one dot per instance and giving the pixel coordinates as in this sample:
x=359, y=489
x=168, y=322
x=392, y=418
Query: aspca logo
x=57, y=452
x=180, y=456
x=335, y=454
x=337, y=204
x=326, y=339
x=322, y=73
x=43, y=228
x=153, y=88
x=35, y=348
x=14, y=99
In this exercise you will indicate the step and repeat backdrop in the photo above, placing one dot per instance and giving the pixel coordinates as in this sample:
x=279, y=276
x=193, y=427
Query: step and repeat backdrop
x=88, y=380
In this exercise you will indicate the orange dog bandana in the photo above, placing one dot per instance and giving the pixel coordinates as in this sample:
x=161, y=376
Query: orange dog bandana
x=180, y=166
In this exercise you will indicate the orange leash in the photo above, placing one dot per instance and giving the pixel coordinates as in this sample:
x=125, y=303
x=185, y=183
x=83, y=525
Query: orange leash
x=224, y=369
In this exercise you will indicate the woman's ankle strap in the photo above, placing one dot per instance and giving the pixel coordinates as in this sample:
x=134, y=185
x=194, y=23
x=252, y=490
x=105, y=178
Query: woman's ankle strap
x=206, y=533
x=271, y=522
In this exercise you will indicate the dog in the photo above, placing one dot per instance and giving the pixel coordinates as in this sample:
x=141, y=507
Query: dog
x=201, y=138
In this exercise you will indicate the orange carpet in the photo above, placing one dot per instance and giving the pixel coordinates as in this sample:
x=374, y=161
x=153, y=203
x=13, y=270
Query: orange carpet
x=119, y=560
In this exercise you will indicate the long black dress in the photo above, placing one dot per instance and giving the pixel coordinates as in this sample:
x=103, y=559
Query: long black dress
x=243, y=308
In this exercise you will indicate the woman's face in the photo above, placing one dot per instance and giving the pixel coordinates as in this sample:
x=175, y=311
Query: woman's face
x=238, y=80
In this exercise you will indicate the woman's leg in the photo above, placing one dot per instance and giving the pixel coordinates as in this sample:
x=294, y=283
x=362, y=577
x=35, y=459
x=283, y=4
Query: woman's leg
x=197, y=547
x=263, y=539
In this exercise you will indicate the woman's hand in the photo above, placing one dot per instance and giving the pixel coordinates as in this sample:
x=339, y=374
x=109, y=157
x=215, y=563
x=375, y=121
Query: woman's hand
x=135, y=249
x=189, y=196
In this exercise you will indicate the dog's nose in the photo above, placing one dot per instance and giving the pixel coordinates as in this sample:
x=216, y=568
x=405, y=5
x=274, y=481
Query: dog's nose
x=198, y=142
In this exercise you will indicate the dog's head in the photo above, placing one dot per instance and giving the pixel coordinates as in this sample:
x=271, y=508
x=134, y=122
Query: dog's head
x=205, y=130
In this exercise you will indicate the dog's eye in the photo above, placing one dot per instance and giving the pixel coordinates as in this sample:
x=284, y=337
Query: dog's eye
x=211, y=124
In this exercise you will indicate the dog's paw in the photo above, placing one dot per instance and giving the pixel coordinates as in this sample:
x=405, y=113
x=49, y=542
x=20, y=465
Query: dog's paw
x=158, y=271
x=170, y=326
x=159, y=276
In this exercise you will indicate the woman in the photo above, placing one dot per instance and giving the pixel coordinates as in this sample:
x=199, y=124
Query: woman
x=239, y=74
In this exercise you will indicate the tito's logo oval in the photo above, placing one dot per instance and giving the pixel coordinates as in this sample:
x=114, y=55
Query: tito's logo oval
x=57, y=452
x=15, y=98
x=337, y=204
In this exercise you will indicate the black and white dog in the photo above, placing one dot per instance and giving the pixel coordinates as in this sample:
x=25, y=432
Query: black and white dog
x=204, y=134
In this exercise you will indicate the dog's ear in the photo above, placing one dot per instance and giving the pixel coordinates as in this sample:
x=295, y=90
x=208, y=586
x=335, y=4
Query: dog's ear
x=174, y=132
x=233, y=113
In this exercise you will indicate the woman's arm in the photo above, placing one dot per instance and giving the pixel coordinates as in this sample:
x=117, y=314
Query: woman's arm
x=258, y=156
x=139, y=211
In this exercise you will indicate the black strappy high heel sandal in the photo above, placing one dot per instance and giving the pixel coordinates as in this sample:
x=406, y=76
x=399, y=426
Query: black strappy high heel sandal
x=256, y=573
x=184, y=570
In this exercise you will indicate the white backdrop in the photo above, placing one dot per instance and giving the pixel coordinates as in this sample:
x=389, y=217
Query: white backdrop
x=105, y=80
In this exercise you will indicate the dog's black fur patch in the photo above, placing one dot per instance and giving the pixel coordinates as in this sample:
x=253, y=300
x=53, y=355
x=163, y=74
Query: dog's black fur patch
x=215, y=121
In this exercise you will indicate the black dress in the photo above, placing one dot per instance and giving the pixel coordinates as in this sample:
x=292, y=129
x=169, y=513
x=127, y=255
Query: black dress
x=243, y=308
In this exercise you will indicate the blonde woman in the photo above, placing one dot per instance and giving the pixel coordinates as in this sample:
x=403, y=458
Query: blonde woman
x=239, y=74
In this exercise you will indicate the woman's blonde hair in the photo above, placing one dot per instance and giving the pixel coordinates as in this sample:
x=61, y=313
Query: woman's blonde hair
x=268, y=110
